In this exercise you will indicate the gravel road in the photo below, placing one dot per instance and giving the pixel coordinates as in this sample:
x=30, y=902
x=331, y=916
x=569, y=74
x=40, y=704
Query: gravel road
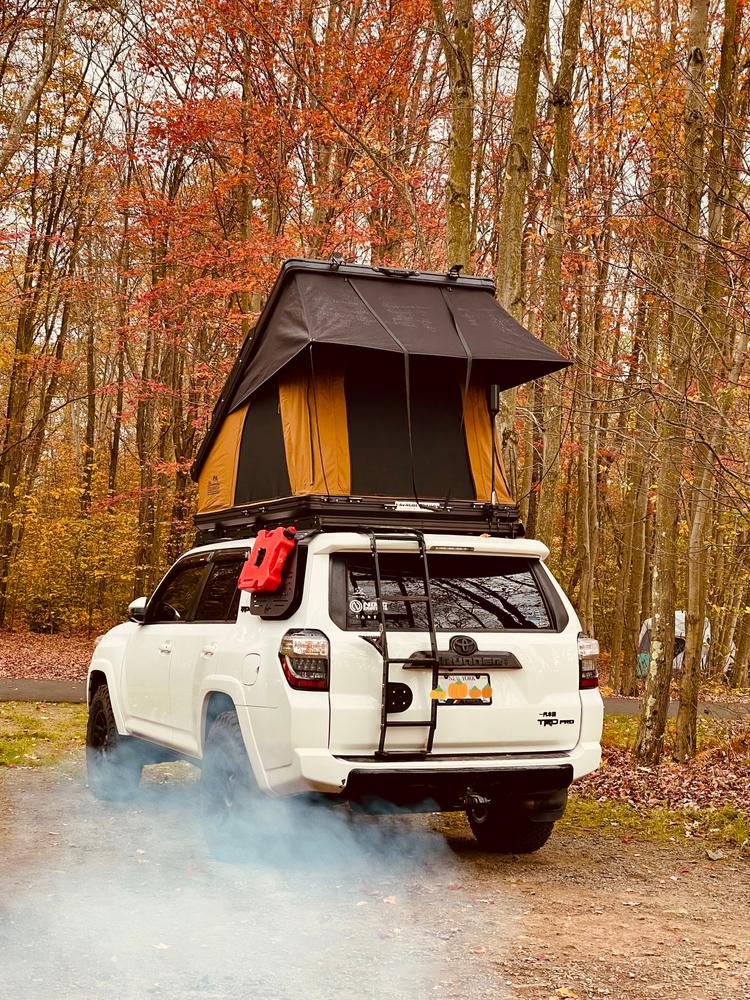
x=101, y=900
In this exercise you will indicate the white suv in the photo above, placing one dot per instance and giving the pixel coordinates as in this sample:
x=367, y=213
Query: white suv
x=432, y=672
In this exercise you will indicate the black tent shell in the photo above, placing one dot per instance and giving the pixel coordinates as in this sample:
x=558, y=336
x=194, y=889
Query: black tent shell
x=348, y=308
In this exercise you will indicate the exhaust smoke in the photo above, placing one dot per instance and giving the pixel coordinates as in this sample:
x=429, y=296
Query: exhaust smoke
x=123, y=900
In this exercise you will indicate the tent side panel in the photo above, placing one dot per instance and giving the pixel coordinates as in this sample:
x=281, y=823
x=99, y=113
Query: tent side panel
x=262, y=470
x=329, y=401
x=218, y=476
x=479, y=443
x=313, y=420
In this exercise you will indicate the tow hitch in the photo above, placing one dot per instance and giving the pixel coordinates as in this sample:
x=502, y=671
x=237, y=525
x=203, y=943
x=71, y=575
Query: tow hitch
x=477, y=805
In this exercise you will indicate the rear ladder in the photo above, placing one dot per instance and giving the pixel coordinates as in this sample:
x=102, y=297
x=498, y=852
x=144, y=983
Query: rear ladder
x=434, y=658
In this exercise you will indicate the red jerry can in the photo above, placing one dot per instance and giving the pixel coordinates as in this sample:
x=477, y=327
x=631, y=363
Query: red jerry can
x=264, y=567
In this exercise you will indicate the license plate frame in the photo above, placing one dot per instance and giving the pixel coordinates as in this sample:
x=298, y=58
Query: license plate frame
x=458, y=689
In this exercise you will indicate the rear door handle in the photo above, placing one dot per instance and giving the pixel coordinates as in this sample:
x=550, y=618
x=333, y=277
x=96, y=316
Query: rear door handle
x=209, y=650
x=165, y=647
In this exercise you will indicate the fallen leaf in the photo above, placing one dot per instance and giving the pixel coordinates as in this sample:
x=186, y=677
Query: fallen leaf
x=569, y=994
x=720, y=965
x=715, y=855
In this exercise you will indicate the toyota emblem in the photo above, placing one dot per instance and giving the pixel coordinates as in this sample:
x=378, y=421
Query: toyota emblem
x=463, y=645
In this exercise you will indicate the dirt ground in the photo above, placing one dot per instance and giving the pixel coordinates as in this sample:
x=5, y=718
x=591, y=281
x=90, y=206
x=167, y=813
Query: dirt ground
x=102, y=899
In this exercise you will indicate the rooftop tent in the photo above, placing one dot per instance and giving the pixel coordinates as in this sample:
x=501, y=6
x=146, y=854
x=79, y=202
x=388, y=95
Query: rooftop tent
x=364, y=382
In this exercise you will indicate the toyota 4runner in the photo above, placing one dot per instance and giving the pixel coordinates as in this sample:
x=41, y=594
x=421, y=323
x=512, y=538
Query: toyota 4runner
x=427, y=671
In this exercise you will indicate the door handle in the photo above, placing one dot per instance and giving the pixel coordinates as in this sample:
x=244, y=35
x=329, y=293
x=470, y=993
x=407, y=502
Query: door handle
x=165, y=647
x=209, y=650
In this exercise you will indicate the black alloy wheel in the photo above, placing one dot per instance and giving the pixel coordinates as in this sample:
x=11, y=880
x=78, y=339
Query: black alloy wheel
x=230, y=799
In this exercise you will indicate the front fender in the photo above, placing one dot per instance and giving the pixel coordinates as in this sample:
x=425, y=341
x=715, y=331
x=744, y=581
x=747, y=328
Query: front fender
x=108, y=659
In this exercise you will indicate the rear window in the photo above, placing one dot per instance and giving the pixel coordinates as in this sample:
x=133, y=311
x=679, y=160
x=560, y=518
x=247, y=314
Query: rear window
x=469, y=593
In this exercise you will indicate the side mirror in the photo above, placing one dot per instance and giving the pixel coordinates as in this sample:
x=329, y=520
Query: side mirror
x=137, y=610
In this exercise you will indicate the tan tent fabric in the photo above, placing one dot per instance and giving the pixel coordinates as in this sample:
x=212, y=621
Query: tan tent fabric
x=218, y=475
x=313, y=418
x=479, y=444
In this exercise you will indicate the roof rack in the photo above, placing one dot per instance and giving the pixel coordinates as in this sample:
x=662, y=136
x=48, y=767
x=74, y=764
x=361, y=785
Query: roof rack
x=342, y=513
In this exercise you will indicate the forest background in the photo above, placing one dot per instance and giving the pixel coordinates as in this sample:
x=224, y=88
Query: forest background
x=159, y=160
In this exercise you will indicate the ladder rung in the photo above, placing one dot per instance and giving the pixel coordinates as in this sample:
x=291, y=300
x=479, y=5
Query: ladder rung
x=427, y=661
x=422, y=598
x=396, y=538
x=403, y=723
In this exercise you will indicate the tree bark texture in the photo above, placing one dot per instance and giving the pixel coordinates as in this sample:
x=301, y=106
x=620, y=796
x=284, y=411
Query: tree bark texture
x=457, y=42
x=649, y=744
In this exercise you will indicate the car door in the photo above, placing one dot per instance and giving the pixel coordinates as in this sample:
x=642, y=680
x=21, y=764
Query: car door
x=149, y=651
x=203, y=646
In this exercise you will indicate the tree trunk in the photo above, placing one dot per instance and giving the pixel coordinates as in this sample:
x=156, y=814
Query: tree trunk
x=458, y=47
x=552, y=332
x=12, y=140
x=649, y=744
x=715, y=320
x=739, y=674
x=633, y=602
x=517, y=173
x=88, y=444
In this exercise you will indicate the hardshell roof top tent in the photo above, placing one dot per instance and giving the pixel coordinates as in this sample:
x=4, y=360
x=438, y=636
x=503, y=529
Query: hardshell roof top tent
x=362, y=394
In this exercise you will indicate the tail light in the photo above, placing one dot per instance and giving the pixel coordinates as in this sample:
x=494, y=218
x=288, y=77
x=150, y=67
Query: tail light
x=588, y=665
x=304, y=658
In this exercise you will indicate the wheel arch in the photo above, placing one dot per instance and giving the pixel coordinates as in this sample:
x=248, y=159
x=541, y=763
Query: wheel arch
x=96, y=679
x=102, y=674
x=216, y=701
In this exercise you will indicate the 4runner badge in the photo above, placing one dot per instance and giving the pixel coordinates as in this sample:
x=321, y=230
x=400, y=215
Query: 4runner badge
x=551, y=719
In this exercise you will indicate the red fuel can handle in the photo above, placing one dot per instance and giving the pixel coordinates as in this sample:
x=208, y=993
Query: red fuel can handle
x=264, y=568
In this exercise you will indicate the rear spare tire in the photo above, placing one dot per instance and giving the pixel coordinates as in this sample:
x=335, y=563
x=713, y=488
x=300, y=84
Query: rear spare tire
x=507, y=830
x=230, y=799
x=113, y=762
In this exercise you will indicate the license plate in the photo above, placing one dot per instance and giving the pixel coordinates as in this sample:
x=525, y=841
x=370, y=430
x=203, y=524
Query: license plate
x=463, y=689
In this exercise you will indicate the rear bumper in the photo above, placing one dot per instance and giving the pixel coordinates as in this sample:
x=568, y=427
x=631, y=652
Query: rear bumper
x=318, y=770
x=540, y=791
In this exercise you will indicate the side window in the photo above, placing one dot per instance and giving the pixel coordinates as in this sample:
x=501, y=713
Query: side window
x=220, y=598
x=175, y=600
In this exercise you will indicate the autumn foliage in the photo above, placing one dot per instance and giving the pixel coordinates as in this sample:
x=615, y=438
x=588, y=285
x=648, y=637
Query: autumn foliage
x=178, y=152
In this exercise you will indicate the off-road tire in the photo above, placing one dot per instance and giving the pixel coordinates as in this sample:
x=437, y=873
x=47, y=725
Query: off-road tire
x=507, y=831
x=113, y=762
x=230, y=799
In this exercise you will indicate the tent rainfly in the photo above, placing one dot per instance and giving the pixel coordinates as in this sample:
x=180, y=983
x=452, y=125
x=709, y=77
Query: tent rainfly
x=366, y=383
